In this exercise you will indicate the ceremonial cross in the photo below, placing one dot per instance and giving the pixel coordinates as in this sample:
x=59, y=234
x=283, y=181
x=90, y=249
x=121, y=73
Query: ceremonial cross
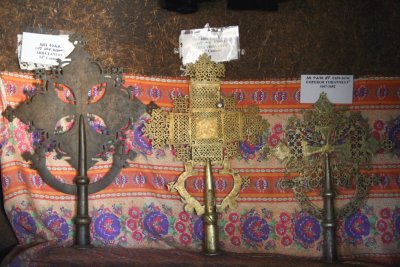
x=205, y=128
x=79, y=88
x=326, y=148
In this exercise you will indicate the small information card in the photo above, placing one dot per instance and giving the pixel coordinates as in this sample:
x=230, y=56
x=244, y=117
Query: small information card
x=42, y=50
x=222, y=44
x=339, y=88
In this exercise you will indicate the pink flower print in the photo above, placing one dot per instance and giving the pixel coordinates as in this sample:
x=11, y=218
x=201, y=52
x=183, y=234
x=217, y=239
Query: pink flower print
x=19, y=134
x=134, y=212
x=234, y=217
x=23, y=147
x=230, y=228
x=184, y=216
x=379, y=125
x=387, y=238
x=131, y=224
x=381, y=225
x=280, y=229
x=277, y=129
x=285, y=217
x=180, y=227
x=138, y=236
x=286, y=241
x=274, y=140
x=385, y=213
x=185, y=239
x=235, y=240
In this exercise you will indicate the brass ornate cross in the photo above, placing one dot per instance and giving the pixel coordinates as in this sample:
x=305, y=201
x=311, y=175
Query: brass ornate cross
x=205, y=128
x=327, y=148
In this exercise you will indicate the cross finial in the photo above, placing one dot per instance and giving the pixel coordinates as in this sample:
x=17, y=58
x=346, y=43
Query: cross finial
x=205, y=70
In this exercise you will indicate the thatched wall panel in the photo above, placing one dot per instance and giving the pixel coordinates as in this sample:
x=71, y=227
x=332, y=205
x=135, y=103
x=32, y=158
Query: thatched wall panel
x=304, y=36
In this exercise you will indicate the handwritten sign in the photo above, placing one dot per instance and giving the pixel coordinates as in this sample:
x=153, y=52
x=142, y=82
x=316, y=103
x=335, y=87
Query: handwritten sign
x=222, y=44
x=43, y=50
x=339, y=88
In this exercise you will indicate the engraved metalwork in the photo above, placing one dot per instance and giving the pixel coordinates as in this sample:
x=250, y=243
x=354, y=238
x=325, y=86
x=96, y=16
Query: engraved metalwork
x=327, y=149
x=205, y=128
x=69, y=92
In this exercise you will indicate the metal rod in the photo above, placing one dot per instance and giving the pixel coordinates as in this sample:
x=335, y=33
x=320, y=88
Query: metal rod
x=329, y=221
x=210, y=215
x=82, y=219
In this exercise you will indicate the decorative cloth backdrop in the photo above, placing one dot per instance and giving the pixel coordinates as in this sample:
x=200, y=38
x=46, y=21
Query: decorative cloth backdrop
x=137, y=210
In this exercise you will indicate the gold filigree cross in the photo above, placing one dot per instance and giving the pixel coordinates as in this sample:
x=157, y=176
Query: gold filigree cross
x=205, y=128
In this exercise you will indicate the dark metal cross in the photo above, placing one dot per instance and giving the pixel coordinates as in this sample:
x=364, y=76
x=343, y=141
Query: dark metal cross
x=69, y=91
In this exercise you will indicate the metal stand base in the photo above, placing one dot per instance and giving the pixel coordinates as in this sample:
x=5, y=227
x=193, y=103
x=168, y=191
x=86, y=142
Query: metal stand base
x=210, y=217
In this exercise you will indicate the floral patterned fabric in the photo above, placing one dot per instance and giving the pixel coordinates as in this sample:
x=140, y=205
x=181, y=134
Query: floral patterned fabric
x=137, y=210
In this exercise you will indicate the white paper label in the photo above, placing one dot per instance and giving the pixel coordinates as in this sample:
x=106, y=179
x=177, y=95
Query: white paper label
x=339, y=88
x=222, y=44
x=42, y=50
